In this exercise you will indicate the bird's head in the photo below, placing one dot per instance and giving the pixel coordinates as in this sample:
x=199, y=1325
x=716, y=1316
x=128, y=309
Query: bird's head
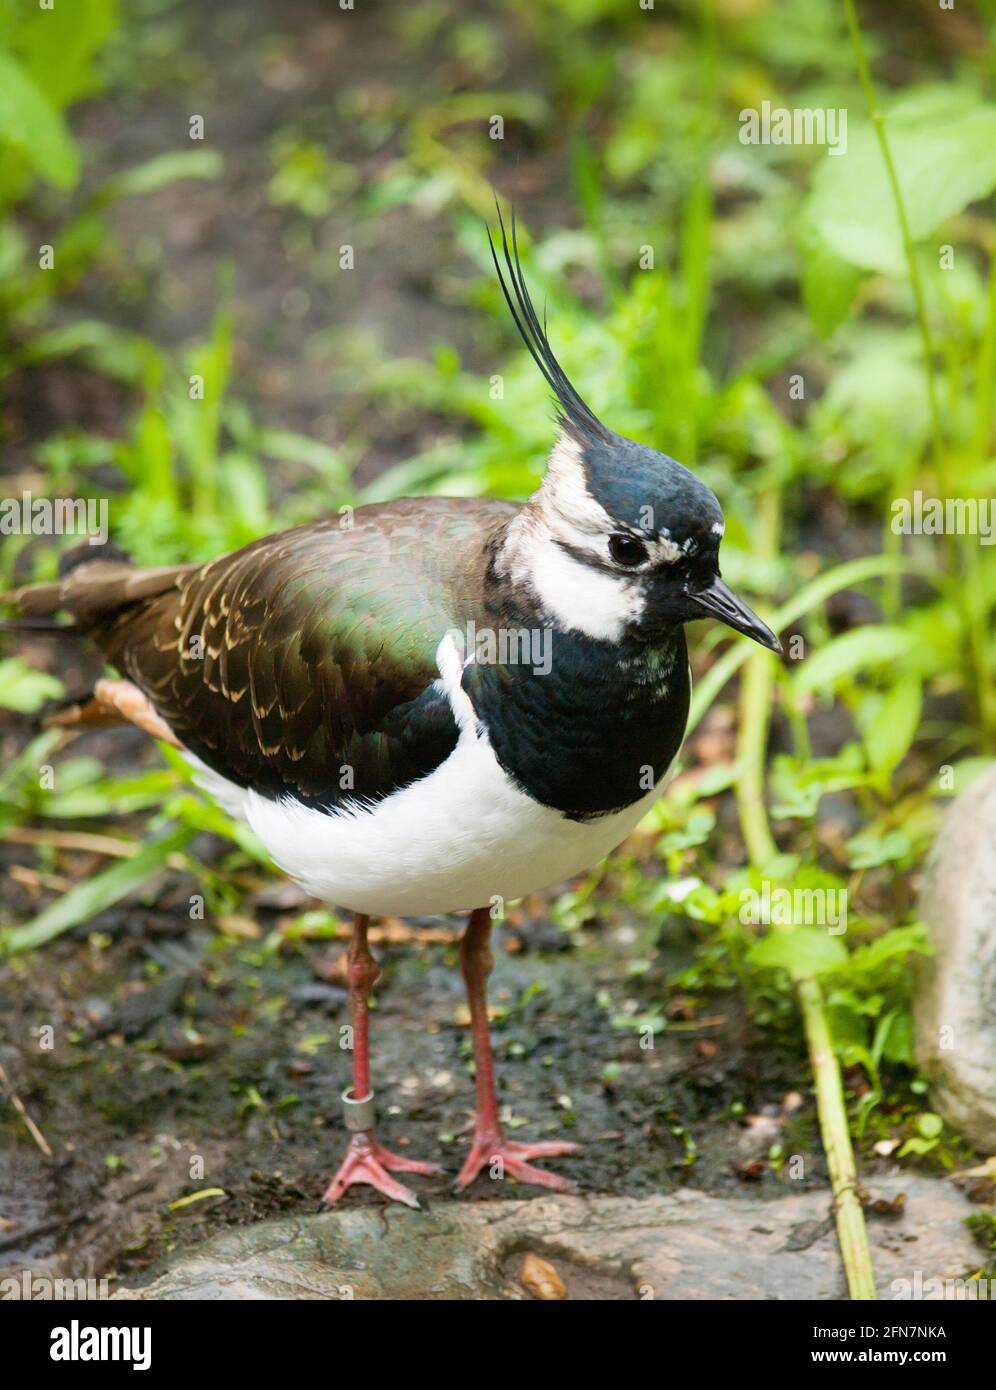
x=620, y=539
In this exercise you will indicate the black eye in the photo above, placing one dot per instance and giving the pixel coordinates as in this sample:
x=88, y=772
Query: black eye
x=627, y=551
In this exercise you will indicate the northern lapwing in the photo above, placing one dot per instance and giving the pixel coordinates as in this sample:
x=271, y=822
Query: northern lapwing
x=432, y=705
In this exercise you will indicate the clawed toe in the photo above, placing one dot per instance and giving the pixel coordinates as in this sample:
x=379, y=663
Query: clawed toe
x=368, y=1162
x=507, y=1158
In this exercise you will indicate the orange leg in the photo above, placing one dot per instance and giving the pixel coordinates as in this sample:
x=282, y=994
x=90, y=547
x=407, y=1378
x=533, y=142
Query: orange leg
x=489, y=1147
x=366, y=1160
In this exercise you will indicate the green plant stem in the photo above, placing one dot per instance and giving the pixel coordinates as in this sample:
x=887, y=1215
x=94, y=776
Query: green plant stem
x=973, y=628
x=797, y=722
x=974, y=598
x=755, y=703
x=975, y=579
x=756, y=690
x=985, y=371
x=851, y=1232
x=916, y=284
x=756, y=687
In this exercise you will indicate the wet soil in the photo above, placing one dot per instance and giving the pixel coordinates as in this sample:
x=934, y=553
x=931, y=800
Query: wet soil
x=179, y=1061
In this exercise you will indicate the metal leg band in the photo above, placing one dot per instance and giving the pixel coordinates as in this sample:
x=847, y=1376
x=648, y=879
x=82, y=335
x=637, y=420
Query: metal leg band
x=359, y=1114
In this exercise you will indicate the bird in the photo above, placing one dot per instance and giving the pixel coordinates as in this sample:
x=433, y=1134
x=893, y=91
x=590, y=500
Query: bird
x=431, y=705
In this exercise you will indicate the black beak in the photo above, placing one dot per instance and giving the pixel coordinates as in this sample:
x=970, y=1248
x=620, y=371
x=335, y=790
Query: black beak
x=717, y=601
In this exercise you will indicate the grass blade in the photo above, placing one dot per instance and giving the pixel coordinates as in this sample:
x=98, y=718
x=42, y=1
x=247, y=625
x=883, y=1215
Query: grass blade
x=95, y=894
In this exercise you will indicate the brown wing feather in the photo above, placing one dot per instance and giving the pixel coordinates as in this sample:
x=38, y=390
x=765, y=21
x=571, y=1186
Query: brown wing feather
x=304, y=663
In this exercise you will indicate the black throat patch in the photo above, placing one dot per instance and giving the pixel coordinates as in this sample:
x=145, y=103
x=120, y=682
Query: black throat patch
x=591, y=729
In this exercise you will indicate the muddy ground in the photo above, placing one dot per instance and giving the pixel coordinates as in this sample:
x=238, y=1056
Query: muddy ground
x=172, y=1044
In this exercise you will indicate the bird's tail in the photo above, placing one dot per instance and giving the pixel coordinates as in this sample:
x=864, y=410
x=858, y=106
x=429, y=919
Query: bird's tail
x=95, y=582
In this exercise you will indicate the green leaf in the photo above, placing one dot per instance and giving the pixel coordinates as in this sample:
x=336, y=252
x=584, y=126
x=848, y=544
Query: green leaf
x=943, y=144
x=165, y=169
x=870, y=851
x=201, y=815
x=120, y=796
x=27, y=761
x=798, y=785
x=94, y=895
x=863, y=647
x=917, y=1146
x=889, y=724
x=245, y=488
x=802, y=952
x=24, y=689
x=188, y=1201
x=108, y=349
x=875, y=398
x=832, y=581
x=298, y=448
x=32, y=126
x=894, y=945
x=897, y=1040
x=695, y=831
x=59, y=44
x=829, y=283
x=929, y=1125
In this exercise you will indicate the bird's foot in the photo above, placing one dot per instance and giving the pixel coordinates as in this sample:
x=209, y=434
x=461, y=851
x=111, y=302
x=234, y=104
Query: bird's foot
x=506, y=1158
x=368, y=1162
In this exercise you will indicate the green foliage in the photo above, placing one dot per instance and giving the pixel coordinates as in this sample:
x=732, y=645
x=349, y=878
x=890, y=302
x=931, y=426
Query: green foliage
x=983, y=1228
x=24, y=689
x=95, y=894
x=49, y=59
x=47, y=62
x=306, y=179
x=801, y=952
x=33, y=129
x=943, y=142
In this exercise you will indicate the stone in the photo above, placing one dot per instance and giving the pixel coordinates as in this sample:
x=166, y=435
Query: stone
x=955, y=1007
x=683, y=1246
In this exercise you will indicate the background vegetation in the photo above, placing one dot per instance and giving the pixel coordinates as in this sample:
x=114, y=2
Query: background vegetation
x=802, y=340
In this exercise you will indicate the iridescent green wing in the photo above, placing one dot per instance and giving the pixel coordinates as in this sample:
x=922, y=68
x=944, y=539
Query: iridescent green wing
x=306, y=663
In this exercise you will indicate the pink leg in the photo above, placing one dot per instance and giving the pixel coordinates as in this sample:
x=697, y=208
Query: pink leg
x=489, y=1147
x=367, y=1161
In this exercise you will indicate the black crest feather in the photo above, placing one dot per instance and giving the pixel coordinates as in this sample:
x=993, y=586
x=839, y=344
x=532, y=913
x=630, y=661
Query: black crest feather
x=575, y=415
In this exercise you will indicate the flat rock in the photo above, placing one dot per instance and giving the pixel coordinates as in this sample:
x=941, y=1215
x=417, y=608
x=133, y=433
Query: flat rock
x=674, y=1248
x=955, y=1010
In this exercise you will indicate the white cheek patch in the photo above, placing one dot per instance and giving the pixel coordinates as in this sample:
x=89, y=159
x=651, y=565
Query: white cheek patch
x=581, y=598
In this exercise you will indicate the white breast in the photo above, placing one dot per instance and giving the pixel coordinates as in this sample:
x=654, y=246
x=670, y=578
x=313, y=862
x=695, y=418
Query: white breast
x=457, y=839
